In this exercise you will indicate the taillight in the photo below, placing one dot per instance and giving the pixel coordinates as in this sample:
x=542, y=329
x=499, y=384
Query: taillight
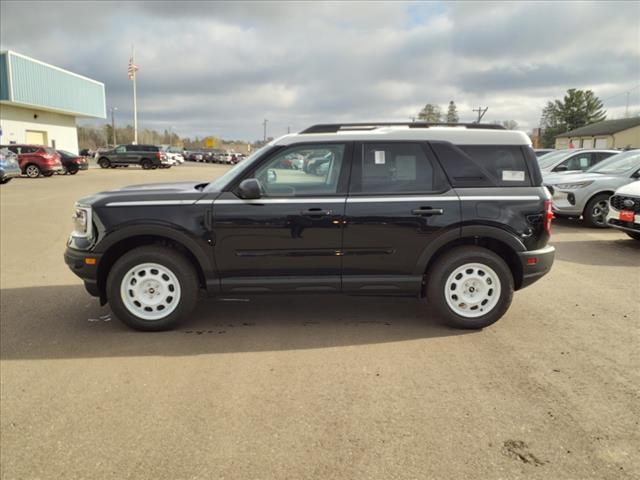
x=158, y=156
x=548, y=216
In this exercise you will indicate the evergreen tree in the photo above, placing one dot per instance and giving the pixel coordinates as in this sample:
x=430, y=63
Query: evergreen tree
x=452, y=113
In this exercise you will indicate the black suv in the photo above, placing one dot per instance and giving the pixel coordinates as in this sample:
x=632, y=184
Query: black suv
x=147, y=156
x=454, y=214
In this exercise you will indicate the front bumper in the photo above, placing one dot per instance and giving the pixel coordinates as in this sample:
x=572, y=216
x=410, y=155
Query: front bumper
x=52, y=168
x=531, y=271
x=76, y=261
x=613, y=220
x=565, y=202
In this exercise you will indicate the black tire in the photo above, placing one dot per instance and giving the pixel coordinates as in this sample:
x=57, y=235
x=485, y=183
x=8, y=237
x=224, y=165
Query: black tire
x=595, y=212
x=634, y=235
x=48, y=174
x=145, y=163
x=73, y=171
x=437, y=287
x=32, y=171
x=104, y=162
x=168, y=258
x=4, y=181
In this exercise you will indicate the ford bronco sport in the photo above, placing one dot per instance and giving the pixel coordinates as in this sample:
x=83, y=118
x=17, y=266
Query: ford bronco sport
x=456, y=214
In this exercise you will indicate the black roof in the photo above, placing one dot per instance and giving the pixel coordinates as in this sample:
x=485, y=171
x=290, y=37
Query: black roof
x=606, y=127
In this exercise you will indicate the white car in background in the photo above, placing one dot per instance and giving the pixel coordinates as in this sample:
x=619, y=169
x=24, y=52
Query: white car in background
x=572, y=160
x=174, y=154
x=624, y=210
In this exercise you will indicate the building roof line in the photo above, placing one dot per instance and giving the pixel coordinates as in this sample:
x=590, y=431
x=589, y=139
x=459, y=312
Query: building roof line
x=26, y=57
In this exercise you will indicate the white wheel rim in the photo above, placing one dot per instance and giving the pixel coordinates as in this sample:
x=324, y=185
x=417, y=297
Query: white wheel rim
x=150, y=291
x=472, y=290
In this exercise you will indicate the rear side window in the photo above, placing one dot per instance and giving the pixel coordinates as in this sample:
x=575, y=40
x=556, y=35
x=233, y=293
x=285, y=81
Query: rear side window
x=505, y=164
x=484, y=165
x=131, y=148
x=394, y=168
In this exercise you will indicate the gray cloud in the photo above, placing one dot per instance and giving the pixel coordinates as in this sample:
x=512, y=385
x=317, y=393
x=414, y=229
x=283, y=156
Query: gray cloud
x=221, y=67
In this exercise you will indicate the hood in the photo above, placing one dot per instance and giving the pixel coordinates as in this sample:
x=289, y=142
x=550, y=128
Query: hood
x=148, y=192
x=632, y=189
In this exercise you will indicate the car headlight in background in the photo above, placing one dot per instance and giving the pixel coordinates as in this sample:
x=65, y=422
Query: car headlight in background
x=573, y=186
x=82, y=222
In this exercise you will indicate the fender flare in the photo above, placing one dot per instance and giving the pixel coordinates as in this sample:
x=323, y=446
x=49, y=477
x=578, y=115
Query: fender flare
x=203, y=257
x=466, y=231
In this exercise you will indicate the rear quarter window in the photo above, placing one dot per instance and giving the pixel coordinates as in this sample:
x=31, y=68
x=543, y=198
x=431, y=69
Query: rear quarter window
x=505, y=164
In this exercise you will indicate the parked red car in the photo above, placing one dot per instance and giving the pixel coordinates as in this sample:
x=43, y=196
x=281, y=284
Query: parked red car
x=36, y=160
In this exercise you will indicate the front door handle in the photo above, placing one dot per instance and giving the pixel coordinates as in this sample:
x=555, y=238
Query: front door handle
x=427, y=211
x=316, y=212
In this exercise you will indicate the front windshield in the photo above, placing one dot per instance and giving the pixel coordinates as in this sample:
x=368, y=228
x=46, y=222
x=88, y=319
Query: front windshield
x=618, y=164
x=237, y=169
x=550, y=159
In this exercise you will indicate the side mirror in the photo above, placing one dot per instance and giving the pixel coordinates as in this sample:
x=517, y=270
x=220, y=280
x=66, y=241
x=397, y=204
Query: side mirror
x=561, y=168
x=249, y=189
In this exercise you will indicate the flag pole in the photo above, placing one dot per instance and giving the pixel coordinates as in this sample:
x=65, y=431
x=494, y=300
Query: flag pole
x=135, y=102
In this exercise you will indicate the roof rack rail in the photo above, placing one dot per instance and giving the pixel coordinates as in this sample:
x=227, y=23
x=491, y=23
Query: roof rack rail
x=336, y=127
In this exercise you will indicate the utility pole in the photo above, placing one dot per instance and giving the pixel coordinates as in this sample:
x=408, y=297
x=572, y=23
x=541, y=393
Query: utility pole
x=113, y=125
x=481, y=112
x=626, y=110
x=264, y=125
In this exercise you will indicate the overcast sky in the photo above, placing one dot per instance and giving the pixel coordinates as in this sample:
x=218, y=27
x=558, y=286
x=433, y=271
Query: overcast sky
x=221, y=68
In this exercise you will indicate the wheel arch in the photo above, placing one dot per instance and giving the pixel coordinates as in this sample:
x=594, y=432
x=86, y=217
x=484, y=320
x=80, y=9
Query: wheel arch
x=128, y=239
x=500, y=242
x=608, y=192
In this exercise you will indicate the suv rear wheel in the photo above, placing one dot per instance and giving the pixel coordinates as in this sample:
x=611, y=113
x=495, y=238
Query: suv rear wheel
x=146, y=163
x=104, y=162
x=470, y=287
x=32, y=171
x=151, y=288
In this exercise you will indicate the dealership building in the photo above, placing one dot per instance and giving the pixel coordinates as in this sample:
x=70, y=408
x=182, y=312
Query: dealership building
x=39, y=103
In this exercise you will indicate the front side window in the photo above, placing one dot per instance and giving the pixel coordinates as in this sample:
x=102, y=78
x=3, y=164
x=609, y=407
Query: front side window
x=302, y=170
x=388, y=168
x=581, y=161
x=121, y=149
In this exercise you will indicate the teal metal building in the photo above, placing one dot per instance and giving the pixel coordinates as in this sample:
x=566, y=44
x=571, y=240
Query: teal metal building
x=39, y=103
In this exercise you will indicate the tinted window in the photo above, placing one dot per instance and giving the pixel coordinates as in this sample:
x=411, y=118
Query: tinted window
x=460, y=168
x=130, y=148
x=505, y=164
x=579, y=161
x=302, y=170
x=393, y=168
x=602, y=155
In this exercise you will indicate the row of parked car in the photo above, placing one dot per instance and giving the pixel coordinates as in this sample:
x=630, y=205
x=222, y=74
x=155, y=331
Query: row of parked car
x=37, y=160
x=225, y=158
x=601, y=186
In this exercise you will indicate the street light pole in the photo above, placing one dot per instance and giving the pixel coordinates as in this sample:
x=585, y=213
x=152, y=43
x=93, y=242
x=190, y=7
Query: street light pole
x=264, y=124
x=113, y=125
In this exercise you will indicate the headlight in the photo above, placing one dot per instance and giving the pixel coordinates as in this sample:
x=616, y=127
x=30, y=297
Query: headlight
x=82, y=222
x=573, y=186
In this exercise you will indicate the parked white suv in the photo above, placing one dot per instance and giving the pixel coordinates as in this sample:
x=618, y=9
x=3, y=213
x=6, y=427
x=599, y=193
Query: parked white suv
x=624, y=210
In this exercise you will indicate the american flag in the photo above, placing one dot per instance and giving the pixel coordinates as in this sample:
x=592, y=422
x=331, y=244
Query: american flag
x=132, y=68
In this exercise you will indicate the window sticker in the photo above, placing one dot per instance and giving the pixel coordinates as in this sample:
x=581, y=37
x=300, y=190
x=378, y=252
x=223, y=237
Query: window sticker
x=513, y=175
x=379, y=157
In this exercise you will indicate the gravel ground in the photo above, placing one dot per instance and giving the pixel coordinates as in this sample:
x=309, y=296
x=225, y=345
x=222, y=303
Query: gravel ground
x=312, y=387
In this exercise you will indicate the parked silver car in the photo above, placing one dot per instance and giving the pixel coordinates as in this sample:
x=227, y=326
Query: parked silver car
x=587, y=193
x=572, y=160
x=624, y=210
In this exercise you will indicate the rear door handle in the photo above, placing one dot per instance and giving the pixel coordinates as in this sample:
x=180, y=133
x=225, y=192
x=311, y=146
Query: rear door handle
x=427, y=211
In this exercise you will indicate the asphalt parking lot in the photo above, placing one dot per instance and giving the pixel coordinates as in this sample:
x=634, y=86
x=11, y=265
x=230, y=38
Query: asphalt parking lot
x=312, y=387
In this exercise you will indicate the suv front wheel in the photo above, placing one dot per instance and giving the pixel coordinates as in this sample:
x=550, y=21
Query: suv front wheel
x=470, y=287
x=151, y=288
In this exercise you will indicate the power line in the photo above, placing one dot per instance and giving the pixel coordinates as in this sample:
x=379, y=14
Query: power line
x=621, y=93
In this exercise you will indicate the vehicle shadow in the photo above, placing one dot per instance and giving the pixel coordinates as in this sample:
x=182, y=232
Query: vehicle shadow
x=64, y=322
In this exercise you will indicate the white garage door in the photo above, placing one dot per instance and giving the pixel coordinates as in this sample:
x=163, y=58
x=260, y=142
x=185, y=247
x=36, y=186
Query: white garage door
x=601, y=143
x=35, y=137
x=587, y=143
